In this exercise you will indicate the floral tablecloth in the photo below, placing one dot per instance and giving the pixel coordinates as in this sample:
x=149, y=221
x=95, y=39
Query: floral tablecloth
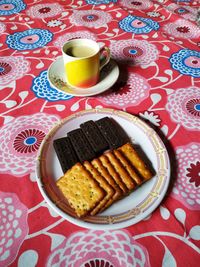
x=157, y=47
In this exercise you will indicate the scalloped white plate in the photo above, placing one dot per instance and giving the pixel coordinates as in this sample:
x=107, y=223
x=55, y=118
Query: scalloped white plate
x=130, y=210
x=56, y=78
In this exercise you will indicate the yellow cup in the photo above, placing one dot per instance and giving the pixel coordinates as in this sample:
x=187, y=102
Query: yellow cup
x=83, y=60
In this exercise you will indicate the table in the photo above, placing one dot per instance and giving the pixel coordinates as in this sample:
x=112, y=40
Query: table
x=156, y=45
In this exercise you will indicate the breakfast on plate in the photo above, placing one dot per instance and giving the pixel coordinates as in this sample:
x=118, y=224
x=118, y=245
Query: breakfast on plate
x=100, y=166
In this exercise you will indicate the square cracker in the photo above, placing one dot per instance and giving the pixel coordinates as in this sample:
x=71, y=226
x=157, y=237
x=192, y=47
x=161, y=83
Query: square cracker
x=128, y=166
x=97, y=163
x=120, y=169
x=80, y=189
x=113, y=173
x=103, y=183
x=134, y=158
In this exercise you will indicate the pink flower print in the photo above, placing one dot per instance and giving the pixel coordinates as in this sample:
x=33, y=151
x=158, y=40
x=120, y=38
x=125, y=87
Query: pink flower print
x=74, y=35
x=90, y=18
x=184, y=107
x=134, y=52
x=187, y=185
x=182, y=29
x=12, y=68
x=186, y=12
x=131, y=93
x=2, y=27
x=42, y=11
x=99, y=248
x=13, y=227
x=138, y=4
x=20, y=140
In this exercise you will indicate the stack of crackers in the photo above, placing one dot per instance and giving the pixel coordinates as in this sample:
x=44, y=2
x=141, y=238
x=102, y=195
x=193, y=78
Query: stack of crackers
x=92, y=186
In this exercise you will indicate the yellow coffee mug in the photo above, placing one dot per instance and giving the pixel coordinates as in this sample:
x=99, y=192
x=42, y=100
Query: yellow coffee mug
x=83, y=60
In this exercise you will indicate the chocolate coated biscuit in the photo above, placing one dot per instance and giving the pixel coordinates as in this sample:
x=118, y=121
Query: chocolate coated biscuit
x=81, y=145
x=112, y=132
x=94, y=136
x=65, y=153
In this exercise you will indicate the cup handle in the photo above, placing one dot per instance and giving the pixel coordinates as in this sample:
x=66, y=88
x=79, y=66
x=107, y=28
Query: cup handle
x=104, y=56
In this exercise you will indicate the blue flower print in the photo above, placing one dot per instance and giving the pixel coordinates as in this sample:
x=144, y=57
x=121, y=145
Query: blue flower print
x=99, y=2
x=138, y=25
x=42, y=89
x=9, y=7
x=29, y=39
x=186, y=62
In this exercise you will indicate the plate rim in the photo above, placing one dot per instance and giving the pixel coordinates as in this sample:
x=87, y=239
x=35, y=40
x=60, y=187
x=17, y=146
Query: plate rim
x=81, y=94
x=110, y=224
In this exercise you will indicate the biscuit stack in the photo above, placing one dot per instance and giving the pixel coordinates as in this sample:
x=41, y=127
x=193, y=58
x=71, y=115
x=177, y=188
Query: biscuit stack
x=92, y=186
x=99, y=164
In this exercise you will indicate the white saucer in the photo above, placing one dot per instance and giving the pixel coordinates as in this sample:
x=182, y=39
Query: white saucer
x=56, y=78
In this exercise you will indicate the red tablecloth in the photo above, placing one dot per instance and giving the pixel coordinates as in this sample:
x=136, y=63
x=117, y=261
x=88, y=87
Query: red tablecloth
x=156, y=45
